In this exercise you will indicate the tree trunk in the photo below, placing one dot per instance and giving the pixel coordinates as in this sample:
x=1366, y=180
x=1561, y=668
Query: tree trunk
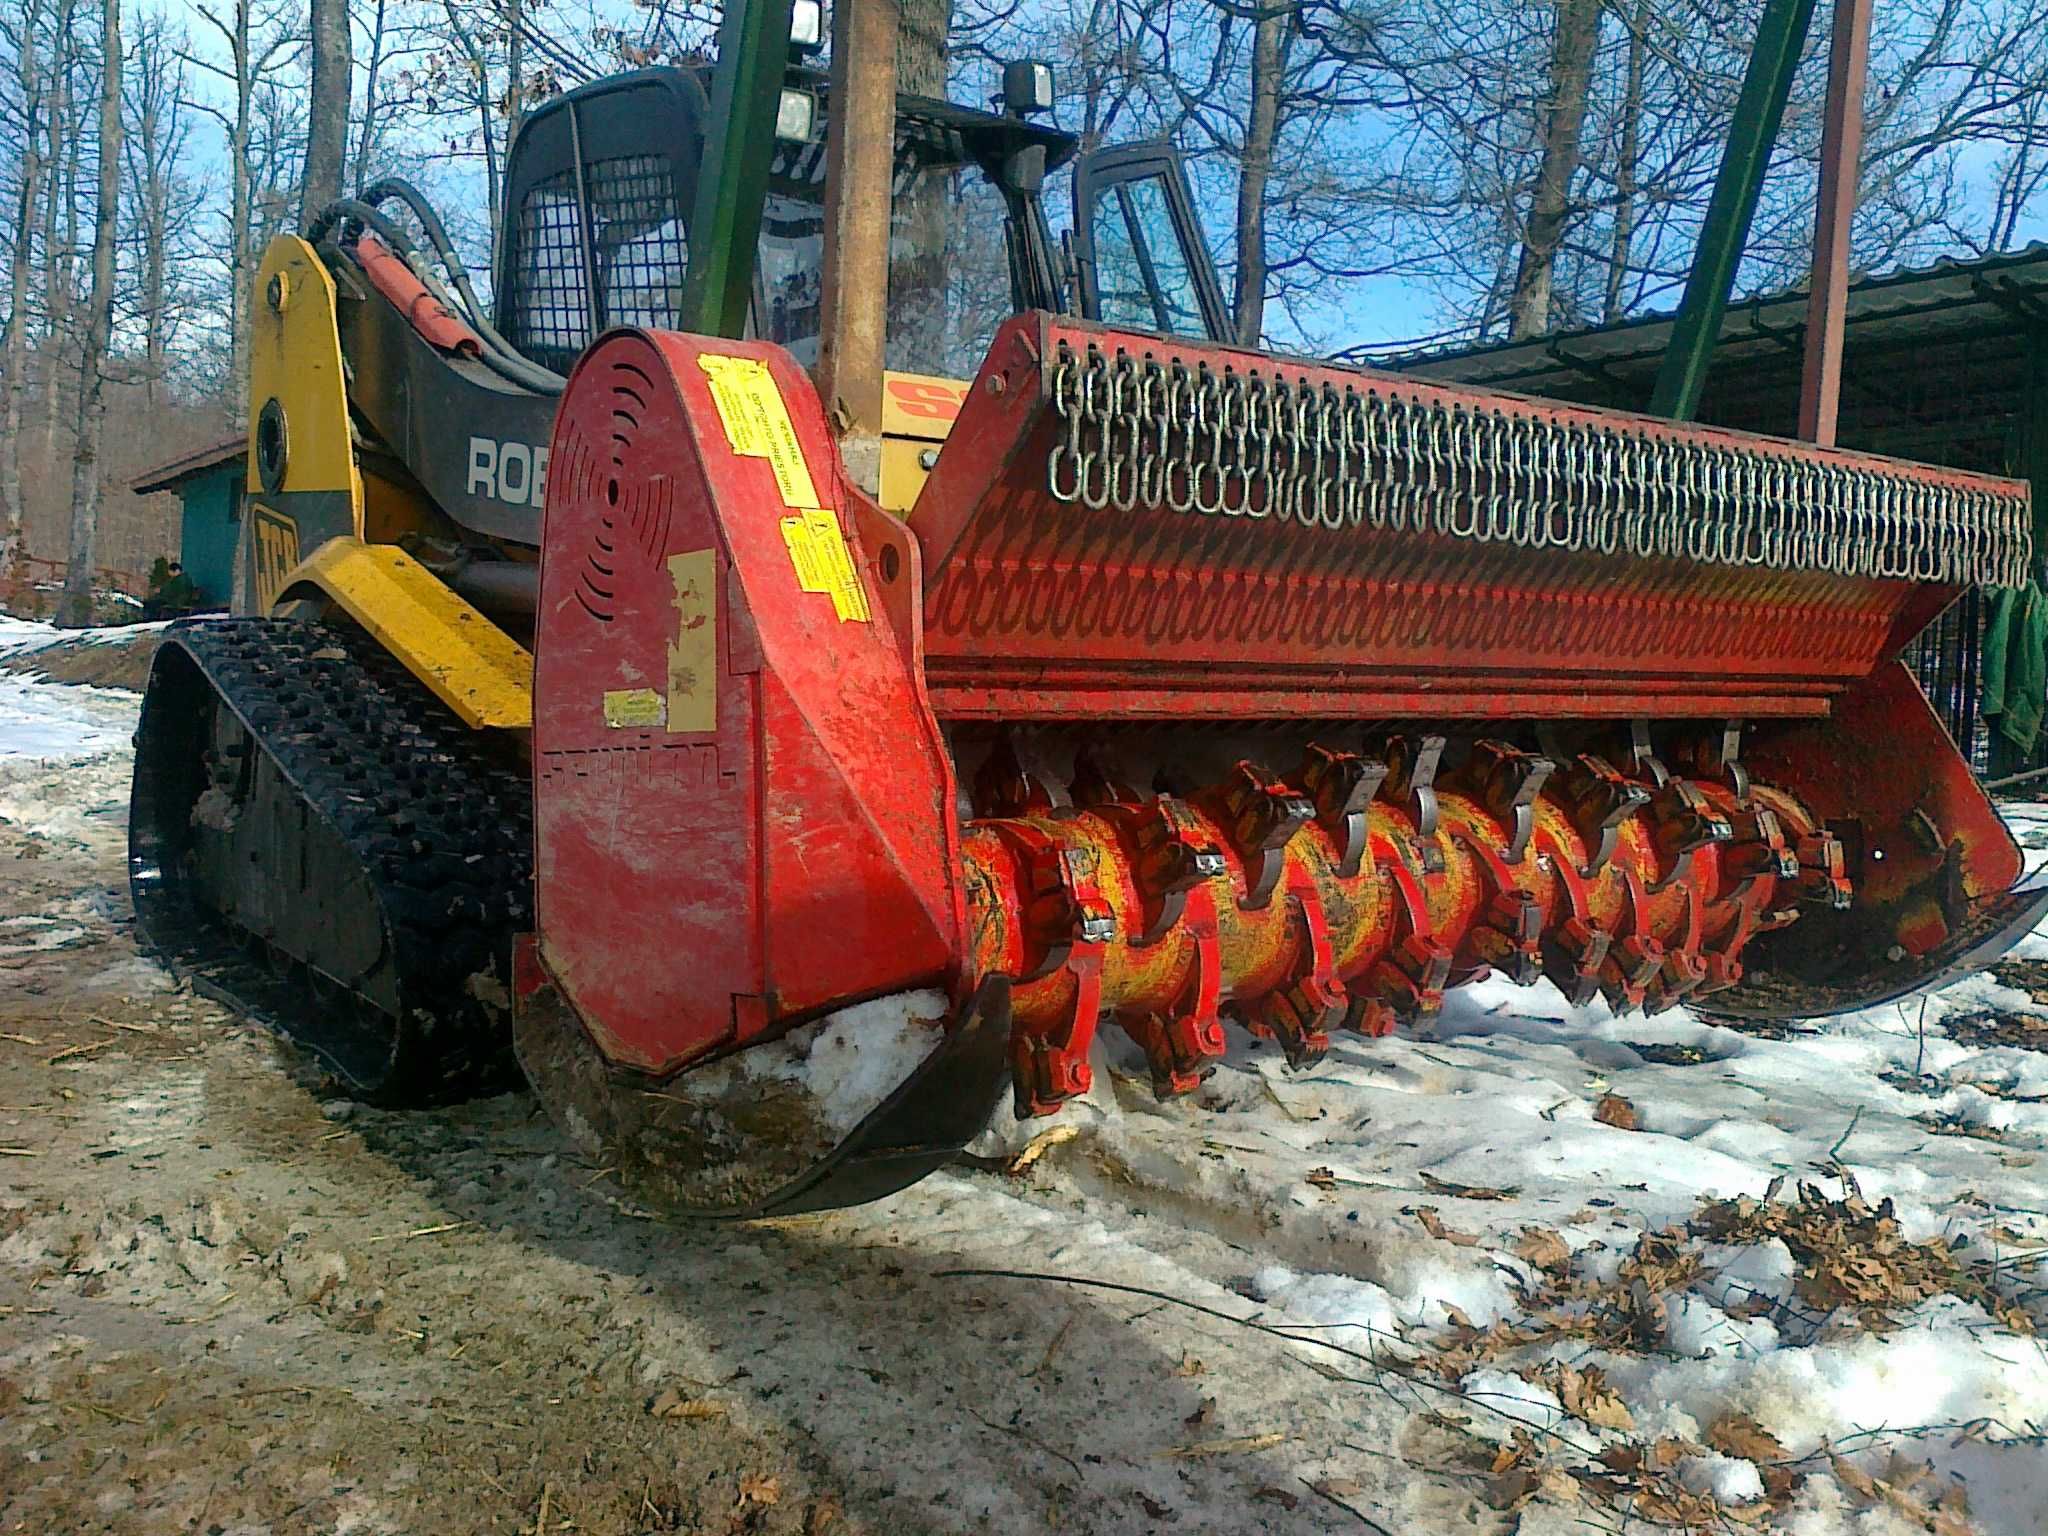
x=486, y=103
x=366, y=141
x=19, y=275
x=1625, y=170
x=76, y=607
x=921, y=32
x=494, y=196
x=156, y=238
x=515, y=72
x=327, y=111
x=920, y=268
x=1270, y=42
x=239, y=265
x=150, y=154
x=56, y=255
x=1571, y=69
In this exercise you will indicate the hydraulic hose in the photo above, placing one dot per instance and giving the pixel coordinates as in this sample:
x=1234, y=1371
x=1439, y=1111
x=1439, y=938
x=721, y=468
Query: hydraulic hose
x=498, y=354
x=527, y=371
x=354, y=210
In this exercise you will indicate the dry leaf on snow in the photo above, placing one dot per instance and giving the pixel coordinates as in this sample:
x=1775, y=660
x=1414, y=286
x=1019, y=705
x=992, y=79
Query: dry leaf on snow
x=1038, y=1146
x=1437, y=1186
x=1586, y=1395
x=1511, y=1489
x=1433, y=1224
x=1543, y=1248
x=1740, y=1436
x=1616, y=1111
x=1236, y=1446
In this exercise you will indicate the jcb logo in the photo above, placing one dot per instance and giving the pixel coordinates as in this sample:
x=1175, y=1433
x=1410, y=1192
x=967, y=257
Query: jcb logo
x=513, y=472
x=274, y=540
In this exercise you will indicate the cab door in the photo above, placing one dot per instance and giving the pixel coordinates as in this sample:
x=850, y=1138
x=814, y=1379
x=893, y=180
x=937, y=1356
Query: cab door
x=1139, y=257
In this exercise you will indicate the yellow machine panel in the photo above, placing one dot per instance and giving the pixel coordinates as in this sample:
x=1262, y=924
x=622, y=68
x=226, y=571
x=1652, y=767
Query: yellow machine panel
x=917, y=413
x=473, y=666
x=302, y=479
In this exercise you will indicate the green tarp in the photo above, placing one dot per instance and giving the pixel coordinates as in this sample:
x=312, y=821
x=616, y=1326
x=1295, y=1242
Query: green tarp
x=2016, y=663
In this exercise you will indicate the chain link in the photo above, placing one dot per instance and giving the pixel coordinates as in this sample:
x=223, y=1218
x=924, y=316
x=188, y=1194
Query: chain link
x=1270, y=447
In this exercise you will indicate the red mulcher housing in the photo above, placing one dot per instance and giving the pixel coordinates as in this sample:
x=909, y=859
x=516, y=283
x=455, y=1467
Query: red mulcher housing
x=1203, y=687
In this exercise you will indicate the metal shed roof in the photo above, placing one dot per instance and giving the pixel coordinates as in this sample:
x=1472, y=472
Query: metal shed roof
x=165, y=477
x=1935, y=360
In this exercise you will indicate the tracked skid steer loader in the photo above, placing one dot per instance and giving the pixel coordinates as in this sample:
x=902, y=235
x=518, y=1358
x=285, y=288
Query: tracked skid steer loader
x=811, y=583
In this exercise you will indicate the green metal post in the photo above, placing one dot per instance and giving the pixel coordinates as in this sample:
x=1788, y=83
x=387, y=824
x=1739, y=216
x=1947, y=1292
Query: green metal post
x=1780, y=39
x=732, y=183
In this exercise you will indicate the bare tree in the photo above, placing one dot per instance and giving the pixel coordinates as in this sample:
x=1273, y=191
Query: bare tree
x=277, y=149
x=1628, y=154
x=1262, y=95
x=327, y=110
x=467, y=68
x=1563, y=121
x=922, y=29
x=76, y=607
x=1272, y=33
x=259, y=43
x=515, y=69
x=160, y=198
x=369, y=127
x=28, y=53
x=60, y=215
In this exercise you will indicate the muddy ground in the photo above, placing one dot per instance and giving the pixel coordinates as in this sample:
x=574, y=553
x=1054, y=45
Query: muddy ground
x=89, y=658
x=233, y=1301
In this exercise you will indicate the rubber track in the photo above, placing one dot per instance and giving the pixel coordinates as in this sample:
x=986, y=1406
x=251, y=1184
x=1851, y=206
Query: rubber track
x=441, y=827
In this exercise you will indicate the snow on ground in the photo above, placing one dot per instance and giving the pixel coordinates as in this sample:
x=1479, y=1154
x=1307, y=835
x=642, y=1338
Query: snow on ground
x=64, y=748
x=47, y=722
x=1411, y=1194
x=42, y=722
x=20, y=635
x=1619, y=1267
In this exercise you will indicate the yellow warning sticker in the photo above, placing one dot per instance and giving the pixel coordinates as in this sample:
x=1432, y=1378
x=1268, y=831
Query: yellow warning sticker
x=823, y=564
x=757, y=423
x=693, y=653
x=634, y=709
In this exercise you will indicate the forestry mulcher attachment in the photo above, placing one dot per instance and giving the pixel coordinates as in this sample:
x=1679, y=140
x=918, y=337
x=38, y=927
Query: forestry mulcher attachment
x=1178, y=689
x=1204, y=688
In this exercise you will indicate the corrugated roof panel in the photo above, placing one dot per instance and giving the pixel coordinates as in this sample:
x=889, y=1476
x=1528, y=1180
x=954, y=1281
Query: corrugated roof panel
x=1946, y=295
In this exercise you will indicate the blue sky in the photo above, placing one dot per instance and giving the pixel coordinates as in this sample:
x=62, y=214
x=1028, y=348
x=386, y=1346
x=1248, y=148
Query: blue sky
x=1361, y=312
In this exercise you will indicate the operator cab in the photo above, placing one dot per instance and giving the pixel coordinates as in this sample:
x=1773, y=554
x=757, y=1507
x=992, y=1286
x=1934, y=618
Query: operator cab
x=601, y=183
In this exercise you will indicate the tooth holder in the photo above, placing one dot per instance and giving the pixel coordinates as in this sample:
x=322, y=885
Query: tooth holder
x=751, y=684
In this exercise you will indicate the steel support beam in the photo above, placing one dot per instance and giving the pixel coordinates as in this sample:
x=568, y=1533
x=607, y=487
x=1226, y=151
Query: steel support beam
x=1841, y=164
x=732, y=183
x=860, y=154
x=1780, y=38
